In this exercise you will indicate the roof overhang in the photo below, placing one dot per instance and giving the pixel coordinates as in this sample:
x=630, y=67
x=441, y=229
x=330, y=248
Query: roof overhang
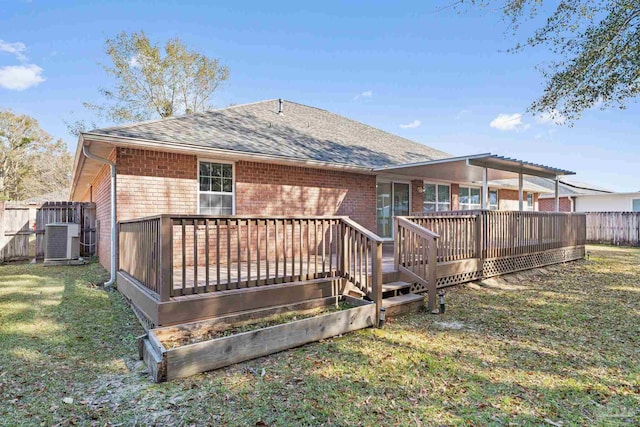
x=470, y=169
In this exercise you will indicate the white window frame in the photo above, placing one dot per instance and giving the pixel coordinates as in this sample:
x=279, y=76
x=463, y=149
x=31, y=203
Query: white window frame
x=437, y=203
x=479, y=206
x=633, y=200
x=497, y=205
x=233, y=182
x=527, y=206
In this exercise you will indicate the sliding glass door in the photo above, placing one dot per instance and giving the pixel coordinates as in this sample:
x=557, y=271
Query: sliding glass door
x=392, y=200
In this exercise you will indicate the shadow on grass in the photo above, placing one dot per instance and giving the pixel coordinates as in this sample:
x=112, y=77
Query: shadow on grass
x=58, y=332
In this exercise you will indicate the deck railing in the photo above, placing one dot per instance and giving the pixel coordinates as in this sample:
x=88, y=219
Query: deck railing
x=415, y=254
x=177, y=255
x=458, y=235
x=502, y=233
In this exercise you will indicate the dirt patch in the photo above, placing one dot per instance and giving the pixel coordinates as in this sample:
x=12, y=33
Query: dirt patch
x=212, y=329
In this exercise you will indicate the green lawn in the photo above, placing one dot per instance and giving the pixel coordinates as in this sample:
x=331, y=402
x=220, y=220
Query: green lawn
x=559, y=346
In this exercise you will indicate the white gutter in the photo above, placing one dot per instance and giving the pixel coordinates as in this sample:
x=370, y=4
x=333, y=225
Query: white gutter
x=114, y=221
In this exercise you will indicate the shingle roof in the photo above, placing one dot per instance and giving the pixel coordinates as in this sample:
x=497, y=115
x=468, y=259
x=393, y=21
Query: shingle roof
x=300, y=132
x=568, y=188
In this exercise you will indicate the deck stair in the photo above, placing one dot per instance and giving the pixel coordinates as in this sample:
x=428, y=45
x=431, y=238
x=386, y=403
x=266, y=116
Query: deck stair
x=401, y=304
x=397, y=298
x=395, y=288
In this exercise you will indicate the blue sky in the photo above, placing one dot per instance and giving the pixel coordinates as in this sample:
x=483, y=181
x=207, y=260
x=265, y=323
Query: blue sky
x=431, y=75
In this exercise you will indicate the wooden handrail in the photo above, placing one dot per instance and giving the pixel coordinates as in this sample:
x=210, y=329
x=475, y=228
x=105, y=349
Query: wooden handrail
x=360, y=249
x=370, y=235
x=415, y=249
x=416, y=228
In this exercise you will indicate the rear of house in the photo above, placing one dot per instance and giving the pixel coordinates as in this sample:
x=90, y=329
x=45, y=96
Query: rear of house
x=282, y=158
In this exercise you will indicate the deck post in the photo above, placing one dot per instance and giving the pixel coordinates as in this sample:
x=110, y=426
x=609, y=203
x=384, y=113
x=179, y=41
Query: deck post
x=432, y=263
x=376, y=271
x=165, y=275
x=557, y=198
x=396, y=243
x=520, y=193
x=485, y=188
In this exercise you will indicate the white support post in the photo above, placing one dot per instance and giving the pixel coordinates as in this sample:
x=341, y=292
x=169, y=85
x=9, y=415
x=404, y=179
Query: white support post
x=485, y=188
x=520, y=192
x=557, y=198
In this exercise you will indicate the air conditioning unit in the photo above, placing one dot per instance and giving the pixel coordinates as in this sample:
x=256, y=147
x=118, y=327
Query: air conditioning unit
x=62, y=241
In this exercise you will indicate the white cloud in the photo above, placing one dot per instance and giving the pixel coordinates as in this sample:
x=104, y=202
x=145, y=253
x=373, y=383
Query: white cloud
x=509, y=122
x=20, y=77
x=551, y=117
x=413, y=124
x=365, y=94
x=462, y=113
x=16, y=49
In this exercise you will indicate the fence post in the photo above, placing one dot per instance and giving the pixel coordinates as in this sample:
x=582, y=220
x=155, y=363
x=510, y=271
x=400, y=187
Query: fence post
x=1, y=231
x=165, y=276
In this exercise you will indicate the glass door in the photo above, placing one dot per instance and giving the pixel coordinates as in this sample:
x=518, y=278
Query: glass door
x=392, y=199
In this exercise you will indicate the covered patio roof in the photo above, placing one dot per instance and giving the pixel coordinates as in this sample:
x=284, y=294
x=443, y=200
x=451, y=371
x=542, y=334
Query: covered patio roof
x=472, y=168
x=479, y=169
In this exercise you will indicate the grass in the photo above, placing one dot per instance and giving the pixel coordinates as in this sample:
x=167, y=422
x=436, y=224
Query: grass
x=559, y=346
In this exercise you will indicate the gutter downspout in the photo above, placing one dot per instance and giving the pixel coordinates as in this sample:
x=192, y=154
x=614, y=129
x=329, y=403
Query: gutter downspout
x=114, y=222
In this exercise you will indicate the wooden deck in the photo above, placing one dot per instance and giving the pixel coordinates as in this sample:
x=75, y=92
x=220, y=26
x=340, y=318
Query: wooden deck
x=177, y=268
x=236, y=275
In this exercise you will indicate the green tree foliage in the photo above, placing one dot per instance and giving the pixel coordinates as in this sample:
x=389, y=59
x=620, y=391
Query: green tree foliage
x=596, y=47
x=151, y=82
x=31, y=163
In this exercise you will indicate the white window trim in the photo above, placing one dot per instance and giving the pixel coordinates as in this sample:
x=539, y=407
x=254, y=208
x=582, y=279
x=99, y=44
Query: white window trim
x=631, y=202
x=460, y=187
x=497, y=205
x=444, y=184
x=233, y=179
x=533, y=201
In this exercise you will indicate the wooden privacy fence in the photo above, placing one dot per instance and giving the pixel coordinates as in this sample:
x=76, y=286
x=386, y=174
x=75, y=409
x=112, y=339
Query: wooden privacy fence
x=615, y=228
x=176, y=255
x=22, y=227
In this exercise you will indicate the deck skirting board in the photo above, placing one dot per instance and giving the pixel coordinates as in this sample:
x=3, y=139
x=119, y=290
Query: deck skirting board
x=457, y=272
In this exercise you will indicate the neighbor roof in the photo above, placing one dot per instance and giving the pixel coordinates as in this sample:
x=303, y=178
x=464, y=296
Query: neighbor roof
x=300, y=132
x=568, y=188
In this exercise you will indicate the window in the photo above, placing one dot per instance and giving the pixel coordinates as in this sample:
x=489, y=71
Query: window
x=493, y=200
x=529, y=206
x=635, y=205
x=469, y=198
x=436, y=198
x=215, y=188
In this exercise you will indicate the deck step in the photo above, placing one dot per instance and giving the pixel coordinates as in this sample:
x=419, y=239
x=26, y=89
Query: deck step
x=407, y=303
x=395, y=286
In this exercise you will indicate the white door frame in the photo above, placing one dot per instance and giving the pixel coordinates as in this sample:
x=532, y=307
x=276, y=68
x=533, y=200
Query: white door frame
x=392, y=181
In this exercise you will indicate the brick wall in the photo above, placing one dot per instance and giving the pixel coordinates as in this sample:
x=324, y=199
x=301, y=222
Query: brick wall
x=455, y=197
x=508, y=200
x=417, y=198
x=100, y=192
x=549, y=205
x=153, y=182
x=267, y=189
